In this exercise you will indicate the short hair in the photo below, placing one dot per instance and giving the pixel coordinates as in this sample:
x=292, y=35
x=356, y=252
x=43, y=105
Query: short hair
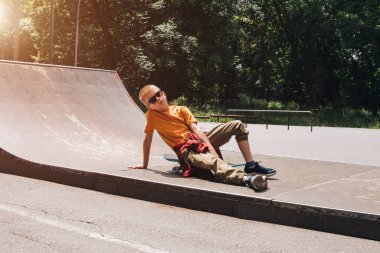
x=145, y=89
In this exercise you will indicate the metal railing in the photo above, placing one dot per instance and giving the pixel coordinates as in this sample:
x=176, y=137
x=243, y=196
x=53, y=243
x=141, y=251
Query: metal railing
x=267, y=112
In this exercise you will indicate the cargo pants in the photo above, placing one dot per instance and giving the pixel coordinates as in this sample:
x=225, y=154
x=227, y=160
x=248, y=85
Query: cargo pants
x=219, y=136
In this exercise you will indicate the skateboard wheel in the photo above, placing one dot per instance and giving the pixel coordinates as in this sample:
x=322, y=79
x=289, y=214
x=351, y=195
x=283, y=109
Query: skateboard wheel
x=175, y=169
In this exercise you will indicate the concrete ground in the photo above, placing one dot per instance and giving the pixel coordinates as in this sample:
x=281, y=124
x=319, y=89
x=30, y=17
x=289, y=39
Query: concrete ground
x=333, y=168
x=33, y=218
x=309, y=191
x=333, y=144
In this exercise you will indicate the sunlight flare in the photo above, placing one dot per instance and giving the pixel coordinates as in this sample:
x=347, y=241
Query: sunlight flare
x=3, y=13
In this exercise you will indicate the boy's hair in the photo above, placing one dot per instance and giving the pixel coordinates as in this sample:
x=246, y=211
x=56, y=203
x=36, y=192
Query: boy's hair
x=144, y=90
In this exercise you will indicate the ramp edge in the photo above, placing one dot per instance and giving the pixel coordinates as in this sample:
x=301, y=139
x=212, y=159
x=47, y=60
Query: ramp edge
x=342, y=222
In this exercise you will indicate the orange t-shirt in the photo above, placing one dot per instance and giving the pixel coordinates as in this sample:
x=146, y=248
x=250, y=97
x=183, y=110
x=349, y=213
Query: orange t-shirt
x=172, y=126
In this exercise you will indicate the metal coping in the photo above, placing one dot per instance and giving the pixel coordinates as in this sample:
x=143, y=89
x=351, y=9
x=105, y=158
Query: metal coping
x=55, y=66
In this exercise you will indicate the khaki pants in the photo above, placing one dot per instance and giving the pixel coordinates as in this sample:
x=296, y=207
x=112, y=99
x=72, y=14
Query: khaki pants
x=219, y=136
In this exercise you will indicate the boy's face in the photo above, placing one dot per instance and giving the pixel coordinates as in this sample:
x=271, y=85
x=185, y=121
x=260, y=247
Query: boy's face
x=155, y=99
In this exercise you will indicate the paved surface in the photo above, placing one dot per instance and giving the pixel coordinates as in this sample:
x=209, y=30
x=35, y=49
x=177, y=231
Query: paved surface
x=341, y=165
x=80, y=127
x=334, y=144
x=33, y=219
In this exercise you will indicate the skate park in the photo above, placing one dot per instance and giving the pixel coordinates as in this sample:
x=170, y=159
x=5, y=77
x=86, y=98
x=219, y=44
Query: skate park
x=80, y=127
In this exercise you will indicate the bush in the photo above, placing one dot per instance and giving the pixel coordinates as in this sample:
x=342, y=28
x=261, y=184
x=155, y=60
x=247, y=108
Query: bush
x=260, y=104
x=292, y=106
x=182, y=100
x=275, y=105
x=348, y=117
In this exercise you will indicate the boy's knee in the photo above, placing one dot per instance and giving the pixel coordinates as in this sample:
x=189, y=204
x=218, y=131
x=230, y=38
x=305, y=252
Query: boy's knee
x=237, y=123
x=241, y=131
x=241, y=137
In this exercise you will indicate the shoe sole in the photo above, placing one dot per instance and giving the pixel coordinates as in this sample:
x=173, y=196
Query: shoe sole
x=259, y=183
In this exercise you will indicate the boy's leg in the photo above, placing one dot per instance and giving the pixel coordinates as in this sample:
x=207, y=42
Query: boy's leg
x=245, y=150
x=221, y=134
x=225, y=173
x=222, y=170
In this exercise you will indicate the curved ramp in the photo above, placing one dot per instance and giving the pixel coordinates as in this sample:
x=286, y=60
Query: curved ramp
x=70, y=117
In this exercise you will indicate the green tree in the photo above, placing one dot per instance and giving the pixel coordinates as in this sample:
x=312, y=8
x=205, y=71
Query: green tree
x=314, y=52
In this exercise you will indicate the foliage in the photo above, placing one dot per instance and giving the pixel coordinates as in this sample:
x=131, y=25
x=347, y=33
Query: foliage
x=241, y=53
x=347, y=117
x=182, y=100
x=275, y=105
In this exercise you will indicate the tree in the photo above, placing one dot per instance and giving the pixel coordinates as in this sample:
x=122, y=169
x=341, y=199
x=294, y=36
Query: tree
x=315, y=53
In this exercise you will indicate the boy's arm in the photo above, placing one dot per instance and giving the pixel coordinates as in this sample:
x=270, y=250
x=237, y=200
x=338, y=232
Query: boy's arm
x=195, y=128
x=146, y=151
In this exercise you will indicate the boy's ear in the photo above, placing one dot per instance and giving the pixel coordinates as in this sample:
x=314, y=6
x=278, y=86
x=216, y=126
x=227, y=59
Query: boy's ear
x=144, y=103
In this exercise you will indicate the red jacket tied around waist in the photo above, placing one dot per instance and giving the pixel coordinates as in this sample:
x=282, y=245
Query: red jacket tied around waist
x=192, y=143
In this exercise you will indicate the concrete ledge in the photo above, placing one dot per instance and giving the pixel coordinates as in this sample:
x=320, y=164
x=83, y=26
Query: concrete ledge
x=363, y=225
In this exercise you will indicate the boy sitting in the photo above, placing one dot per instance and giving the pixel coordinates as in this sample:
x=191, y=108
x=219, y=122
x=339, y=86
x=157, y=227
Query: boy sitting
x=196, y=150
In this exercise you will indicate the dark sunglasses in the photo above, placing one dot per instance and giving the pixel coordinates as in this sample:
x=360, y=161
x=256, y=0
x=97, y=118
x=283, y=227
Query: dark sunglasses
x=153, y=99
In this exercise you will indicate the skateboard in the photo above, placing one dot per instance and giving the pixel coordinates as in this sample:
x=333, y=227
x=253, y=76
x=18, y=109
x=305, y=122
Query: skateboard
x=176, y=169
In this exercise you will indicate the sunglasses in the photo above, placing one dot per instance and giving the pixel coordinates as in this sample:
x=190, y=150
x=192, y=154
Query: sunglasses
x=153, y=99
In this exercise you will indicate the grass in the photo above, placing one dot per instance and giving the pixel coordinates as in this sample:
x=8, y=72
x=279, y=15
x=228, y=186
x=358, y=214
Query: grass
x=349, y=118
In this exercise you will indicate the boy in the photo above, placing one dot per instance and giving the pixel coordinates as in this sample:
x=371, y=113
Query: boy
x=195, y=150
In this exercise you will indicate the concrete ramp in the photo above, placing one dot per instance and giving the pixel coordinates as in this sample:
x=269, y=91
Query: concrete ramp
x=80, y=127
x=70, y=117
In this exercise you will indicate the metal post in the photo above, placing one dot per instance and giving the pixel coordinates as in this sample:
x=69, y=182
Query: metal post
x=288, y=121
x=77, y=36
x=312, y=122
x=51, y=43
x=17, y=31
x=267, y=119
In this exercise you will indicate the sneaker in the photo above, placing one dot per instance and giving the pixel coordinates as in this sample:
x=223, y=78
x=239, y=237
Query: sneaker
x=257, y=183
x=259, y=169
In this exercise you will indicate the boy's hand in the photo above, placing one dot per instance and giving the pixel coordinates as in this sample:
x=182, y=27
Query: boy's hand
x=146, y=149
x=138, y=167
x=213, y=152
x=194, y=127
